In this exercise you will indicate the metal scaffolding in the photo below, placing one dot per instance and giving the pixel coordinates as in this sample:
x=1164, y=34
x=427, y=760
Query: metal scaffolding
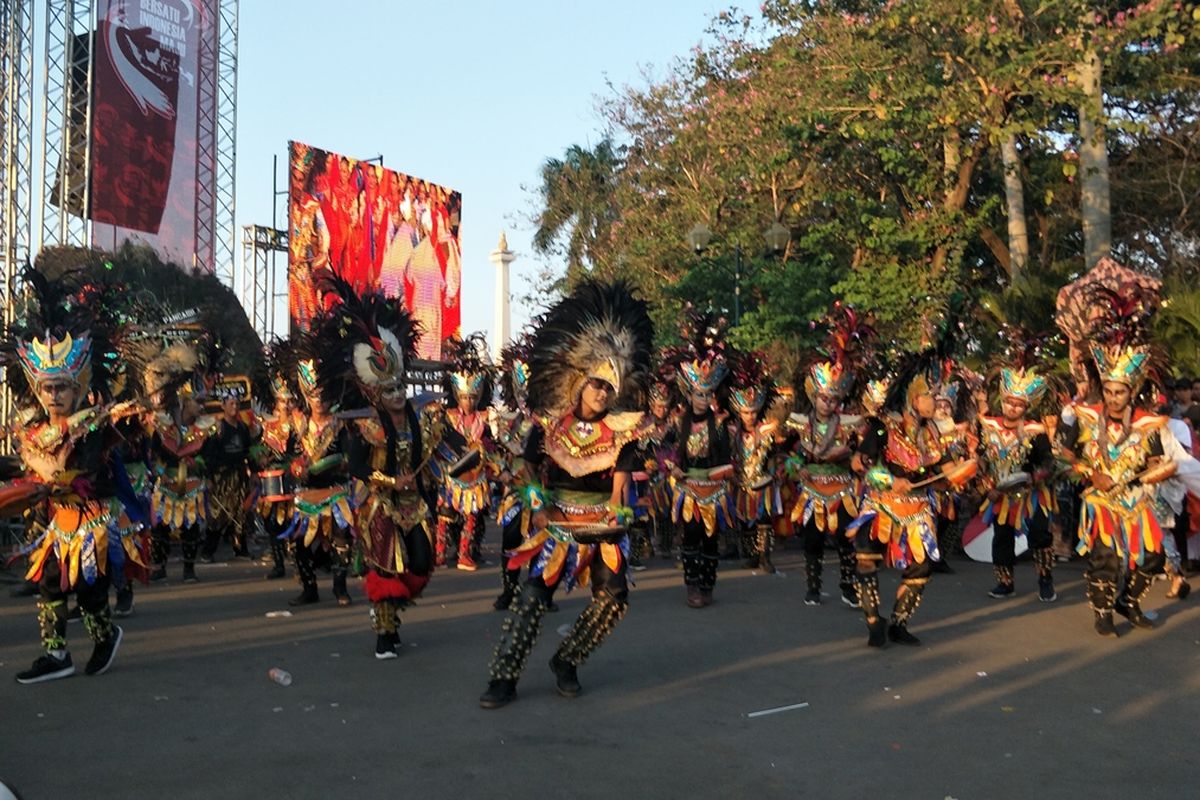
x=64, y=206
x=16, y=141
x=227, y=59
x=258, y=288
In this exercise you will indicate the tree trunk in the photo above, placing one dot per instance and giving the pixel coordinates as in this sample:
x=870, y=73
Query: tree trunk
x=1018, y=232
x=1093, y=163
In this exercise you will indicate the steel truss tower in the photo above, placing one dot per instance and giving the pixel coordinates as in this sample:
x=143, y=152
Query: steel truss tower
x=258, y=288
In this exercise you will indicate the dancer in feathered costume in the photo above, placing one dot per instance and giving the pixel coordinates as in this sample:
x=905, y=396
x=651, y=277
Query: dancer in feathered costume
x=278, y=446
x=754, y=441
x=466, y=494
x=322, y=514
x=1016, y=463
x=587, y=360
x=1117, y=447
x=660, y=405
x=822, y=442
x=901, y=454
x=365, y=344
x=700, y=465
x=59, y=358
x=514, y=424
x=177, y=431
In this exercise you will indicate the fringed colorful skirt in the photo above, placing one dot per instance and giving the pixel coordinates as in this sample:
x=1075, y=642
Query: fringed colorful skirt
x=554, y=554
x=704, y=500
x=822, y=497
x=1126, y=523
x=904, y=525
x=317, y=514
x=87, y=539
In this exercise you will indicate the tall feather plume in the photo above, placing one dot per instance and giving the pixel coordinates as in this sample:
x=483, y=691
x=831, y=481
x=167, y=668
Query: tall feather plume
x=597, y=323
x=513, y=354
x=349, y=319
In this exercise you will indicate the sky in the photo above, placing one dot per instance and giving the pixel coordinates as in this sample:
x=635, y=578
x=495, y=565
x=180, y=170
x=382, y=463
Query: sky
x=471, y=95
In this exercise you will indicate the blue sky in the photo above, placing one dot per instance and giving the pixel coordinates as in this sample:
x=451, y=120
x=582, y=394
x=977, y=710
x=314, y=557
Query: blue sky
x=472, y=95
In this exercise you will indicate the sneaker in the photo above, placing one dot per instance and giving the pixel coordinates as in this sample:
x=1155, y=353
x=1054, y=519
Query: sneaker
x=900, y=635
x=1046, y=591
x=850, y=597
x=384, y=647
x=566, y=679
x=124, y=605
x=104, y=653
x=1002, y=590
x=467, y=563
x=47, y=668
x=812, y=598
x=499, y=693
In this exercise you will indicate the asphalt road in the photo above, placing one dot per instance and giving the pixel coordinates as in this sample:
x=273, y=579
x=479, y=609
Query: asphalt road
x=1005, y=699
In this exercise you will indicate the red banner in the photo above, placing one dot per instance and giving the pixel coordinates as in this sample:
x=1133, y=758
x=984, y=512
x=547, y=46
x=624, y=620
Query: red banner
x=148, y=75
x=380, y=230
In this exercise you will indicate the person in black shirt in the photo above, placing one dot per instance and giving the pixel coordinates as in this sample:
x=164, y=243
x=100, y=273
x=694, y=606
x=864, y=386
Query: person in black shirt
x=591, y=349
x=227, y=454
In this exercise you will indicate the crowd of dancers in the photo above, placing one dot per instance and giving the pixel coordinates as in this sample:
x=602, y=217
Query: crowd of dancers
x=589, y=447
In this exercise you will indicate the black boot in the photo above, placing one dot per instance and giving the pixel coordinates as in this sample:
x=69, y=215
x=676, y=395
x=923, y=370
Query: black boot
x=868, y=595
x=751, y=550
x=765, y=540
x=511, y=583
x=708, y=578
x=1136, y=589
x=277, y=570
x=906, y=606
x=518, y=634
x=812, y=577
x=691, y=576
x=1102, y=596
x=124, y=605
x=189, y=572
x=591, y=628
x=339, y=586
x=847, y=565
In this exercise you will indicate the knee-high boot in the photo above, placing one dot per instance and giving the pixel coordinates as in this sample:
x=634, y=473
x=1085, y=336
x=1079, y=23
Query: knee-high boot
x=278, y=551
x=385, y=621
x=708, y=578
x=765, y=542
x=868, y=598
x=1043, y=562
x=466, y=543
x=518, y=634
x=691, y=575
x=1137, y=587
x=1102, y=596
x=906, y=605
x=307, y=575
x=591, y=628
x=511, y=583
x=189, y=546
x=812, y=578
x=847, y=565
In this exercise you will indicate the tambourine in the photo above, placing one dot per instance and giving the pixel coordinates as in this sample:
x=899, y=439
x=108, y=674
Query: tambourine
x=466, y=463
x=961, y=473
x=721, y=473
x=1014, y=480
x=594, y=532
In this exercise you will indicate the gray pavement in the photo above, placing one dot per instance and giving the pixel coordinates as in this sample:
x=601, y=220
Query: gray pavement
x=1006, y=699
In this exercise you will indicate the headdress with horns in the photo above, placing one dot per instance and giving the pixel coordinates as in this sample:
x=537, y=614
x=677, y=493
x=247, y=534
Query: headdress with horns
x=601, y=331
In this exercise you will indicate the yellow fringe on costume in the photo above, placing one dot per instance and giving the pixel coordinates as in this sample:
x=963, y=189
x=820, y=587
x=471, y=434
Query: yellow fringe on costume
x=319, y=511
x=77, y=535
x=179, y=510
x=821, y=497
x=470, y=496
x=405, y=510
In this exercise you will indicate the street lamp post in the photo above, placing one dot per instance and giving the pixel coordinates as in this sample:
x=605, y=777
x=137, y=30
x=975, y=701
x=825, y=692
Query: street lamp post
x=777, y=237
